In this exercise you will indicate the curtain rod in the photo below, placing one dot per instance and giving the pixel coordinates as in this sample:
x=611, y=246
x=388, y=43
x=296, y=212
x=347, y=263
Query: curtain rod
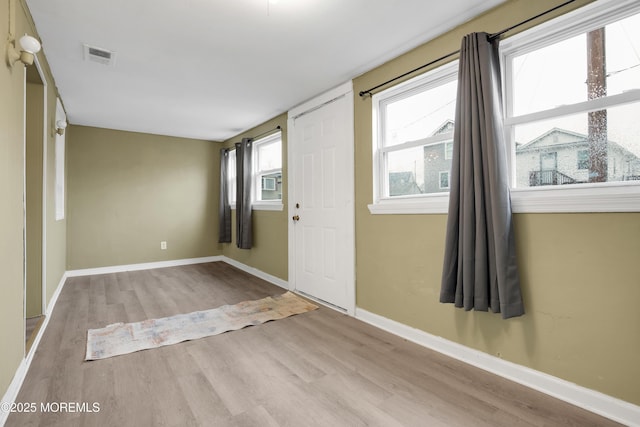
x=492, y=36
x=260, y=135
x=267, y=132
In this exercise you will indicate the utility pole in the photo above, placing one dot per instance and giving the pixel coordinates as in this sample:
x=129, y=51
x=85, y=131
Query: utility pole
x=597, y=88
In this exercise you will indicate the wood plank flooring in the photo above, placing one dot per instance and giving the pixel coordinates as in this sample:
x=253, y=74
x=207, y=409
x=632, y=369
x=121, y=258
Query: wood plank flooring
x=320, y=368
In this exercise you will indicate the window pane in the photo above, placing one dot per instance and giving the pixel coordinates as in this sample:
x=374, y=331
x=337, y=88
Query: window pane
x=271, y=186
x=231, y=177
x=444, y=180
x=559, y=74
x=417, y=170
x=270, y=156
x=567, y=150
x=418, y=116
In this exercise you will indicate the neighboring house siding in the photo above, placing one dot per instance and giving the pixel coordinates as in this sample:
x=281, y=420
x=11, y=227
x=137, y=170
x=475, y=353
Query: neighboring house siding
x=535, y=156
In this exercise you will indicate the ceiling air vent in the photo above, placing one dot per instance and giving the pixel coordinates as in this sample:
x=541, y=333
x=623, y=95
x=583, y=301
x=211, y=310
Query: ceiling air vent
x=99, y=55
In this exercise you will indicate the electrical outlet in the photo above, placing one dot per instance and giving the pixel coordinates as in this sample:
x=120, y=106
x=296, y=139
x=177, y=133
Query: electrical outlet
x=163, y=245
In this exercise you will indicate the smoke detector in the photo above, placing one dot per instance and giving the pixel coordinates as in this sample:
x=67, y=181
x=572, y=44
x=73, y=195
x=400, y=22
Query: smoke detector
x=99, y=55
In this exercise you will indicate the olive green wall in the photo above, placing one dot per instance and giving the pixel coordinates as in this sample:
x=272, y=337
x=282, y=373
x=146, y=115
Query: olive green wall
x=12, y=137
x=580, y=272
x=34, y=153
x=269, y=251
x=129, y=191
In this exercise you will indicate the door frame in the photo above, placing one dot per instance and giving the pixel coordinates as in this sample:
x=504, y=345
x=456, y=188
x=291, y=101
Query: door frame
x=344, y=90
x=45, y=138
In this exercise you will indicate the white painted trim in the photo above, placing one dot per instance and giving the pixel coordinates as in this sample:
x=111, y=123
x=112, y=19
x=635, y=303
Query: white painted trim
x=344, y=90
x=319, y=100
x=431, y=79
x=142, y=266
x=59, y=169
x=617, y=100
x=431, y=204
x=45, y=139
x=18, y=378
x=265, y=206
x=255, y=272
x=590, y=400
x=291, y=188
x=605, y=197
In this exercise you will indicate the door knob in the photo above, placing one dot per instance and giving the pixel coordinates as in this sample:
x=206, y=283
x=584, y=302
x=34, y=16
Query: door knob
x=296, y=218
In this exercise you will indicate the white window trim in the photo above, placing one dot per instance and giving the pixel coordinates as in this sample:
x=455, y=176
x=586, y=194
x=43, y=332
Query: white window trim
x=440, y=180
x=267, y=206
x=448, y=155
x=231, y=180
x=381, y=202
x=59, y=160
x=602, y=197
x=264, y=205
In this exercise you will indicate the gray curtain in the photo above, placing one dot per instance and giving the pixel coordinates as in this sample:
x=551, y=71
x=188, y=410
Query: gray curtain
x=224, y=210
x=244, y=230
x=480, y=270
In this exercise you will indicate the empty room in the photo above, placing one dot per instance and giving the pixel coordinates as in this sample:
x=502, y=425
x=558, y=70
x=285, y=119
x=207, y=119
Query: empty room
x=320, y=213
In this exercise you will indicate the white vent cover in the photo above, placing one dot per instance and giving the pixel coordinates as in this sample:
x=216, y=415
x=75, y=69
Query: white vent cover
x=99, y=55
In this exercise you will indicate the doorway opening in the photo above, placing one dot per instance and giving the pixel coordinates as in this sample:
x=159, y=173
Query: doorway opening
x=34, y=201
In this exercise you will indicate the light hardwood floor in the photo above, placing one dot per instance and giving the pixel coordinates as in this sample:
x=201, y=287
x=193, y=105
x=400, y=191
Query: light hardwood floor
x=320, y=368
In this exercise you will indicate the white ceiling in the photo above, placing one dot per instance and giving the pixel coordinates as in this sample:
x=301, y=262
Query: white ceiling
x=210, y=69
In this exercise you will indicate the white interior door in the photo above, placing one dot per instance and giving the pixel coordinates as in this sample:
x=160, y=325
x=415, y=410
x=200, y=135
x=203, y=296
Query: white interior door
x=322, y=261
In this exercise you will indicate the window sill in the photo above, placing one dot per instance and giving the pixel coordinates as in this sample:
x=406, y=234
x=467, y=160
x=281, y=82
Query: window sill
x=614, y=197
x=434, y=204
x=267, y=206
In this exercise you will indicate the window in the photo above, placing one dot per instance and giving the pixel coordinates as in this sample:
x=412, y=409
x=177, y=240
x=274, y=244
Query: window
x=267, y=166
x=448, y=149
x=571, y=91
x=583, y=159
x=572, y=96
x=444, y=180
x=414, y=133
x=231, y=177
x=59, y=164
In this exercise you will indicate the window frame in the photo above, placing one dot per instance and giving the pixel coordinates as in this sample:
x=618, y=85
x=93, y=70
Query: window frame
x=59, y=163
x=231, y=178
x=622, y=196
x=257, y=175
x=414, y=203
x=440, y=175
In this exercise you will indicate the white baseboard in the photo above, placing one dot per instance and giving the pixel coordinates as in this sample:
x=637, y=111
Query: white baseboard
x=18, y=378
x=599, y=403
x=142, y=266
x=255, y=272
x=173, y=263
